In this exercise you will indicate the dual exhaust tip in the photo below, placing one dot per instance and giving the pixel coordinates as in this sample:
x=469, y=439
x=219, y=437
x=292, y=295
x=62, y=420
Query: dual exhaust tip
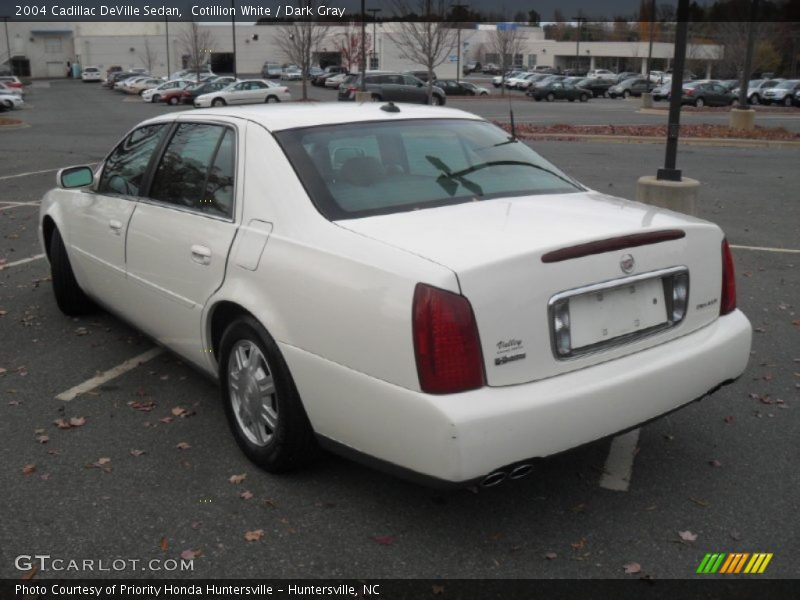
x=514, y=472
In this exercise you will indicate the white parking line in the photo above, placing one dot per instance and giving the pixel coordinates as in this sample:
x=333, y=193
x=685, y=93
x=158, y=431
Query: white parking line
x=10, y=205
x=22, y=261
x=765, y=249
x=4, y=177
x=619, y=464
x=106, y=376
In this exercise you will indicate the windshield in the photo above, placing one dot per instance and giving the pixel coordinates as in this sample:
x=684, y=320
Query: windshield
x=786, y=85
x=364, y=169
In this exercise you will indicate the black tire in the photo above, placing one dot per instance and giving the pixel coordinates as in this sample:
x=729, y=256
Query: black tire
x=69, y=296
x=155, y=99
x=755, y=99
x=376, y=98
x=787, y=101
x=626, y=94
x=272, y=99
x=173, y=101
x=537, y=98
x=218, y=102
x=700, y=103
x=584, y=98
x=571, y=99
x=550, y=97
x=292, y=443
x=437, y=100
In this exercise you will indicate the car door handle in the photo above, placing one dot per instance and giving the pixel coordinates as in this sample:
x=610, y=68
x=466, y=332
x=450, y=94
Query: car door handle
x=201, y=254
x=115, y=226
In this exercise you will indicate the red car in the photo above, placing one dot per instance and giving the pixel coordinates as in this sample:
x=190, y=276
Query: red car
x=11, y=81
x=187, y=96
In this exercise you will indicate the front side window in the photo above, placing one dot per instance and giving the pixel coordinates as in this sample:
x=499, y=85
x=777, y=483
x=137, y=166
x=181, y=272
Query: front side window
x=363, y=169
x=125, y=168
x=196, y=170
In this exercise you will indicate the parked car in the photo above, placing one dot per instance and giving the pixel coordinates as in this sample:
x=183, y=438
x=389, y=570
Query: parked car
x=155, y=94
x=626, y=75
x=560, y=90
x=491, y=69
x=248, y=91
x=544, y=70
x=662, y=92
x=91, y=74
x=706, y=93
x=334, y=81
x=452, y=87
x=7, y=89
x=547, y=80
x=139, y=86
x=756, y=89
x=314, y=72
x=185, y=73
x=635, y=86
x=271, y=71
x=471, y=67
x=329, y=71
x=598, y=87
x=782, y=93
x=415, y=289
x=188, y=94
x=530, y=79
x=111, y=70
x=292, y=74
x=11, y=101
x=421, y=75
x=513, y=81
x=497, y=81
x=395, y=87
x=729, y=84
x=117, y=77
x=658, y=77
x=604, y=74
x=11, y=81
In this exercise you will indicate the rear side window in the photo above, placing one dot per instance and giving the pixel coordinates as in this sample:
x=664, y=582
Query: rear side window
x=196, y=171
x=125, y=168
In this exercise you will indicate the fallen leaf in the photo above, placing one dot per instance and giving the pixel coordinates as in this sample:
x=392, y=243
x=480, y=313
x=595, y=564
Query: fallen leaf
x=163, y=544
x=438, y=590
x=237, y=478
x=699, y=502
x=81, y=331
x=103, y=461
x=551, y=556
x=28, y=469
x=246, y=495
x=687, y=536
x=196, y=524
x=143, y=406
x=179, y=411
x=729, y=419
x=182, y=446
x=383, y=540
x=42, y=439
x=632, y=568
x=62, y=424
x=166, y=420
x=190, y=554
x=3, y=313
x=715, y=463
x=137, y=452
x=579, y=544
x=44, y=476
x=735, y=535
x=77, y=421
x=254, y=536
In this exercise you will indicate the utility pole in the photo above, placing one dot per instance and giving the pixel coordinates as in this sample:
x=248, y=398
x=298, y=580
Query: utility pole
x=580, y=21
x=456, y=7
x=374, y=12
x=744, y=80
x=650, y=49
x=363, y=62
x=669, y=172
x=166, y=37
x=233, y=37
x=8, y=45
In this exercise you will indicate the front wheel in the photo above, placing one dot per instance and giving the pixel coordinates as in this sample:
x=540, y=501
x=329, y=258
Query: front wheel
x=173, y=101
x=436, y=101
x=626, y=94
x=272, y=99
x=155, y=99
x=218, y=102
x=264, y=410
x=755, y=99
x=584, y=98
x=550, y=97
x=699, y=103
x=70, y=297
x=787, y=101
x=376, y=98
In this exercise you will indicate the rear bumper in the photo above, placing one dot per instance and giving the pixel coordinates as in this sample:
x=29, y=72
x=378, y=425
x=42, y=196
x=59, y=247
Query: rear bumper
x=459, y=438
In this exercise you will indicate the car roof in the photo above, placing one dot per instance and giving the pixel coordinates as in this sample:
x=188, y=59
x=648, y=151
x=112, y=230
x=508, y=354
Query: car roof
x=290, y=116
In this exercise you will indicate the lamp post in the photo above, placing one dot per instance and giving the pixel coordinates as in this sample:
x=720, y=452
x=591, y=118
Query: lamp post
x=374, y=12
x=669, y=172
x=650, y=49
x=8, y=43
x=456, y=7
x=363, y=61
x=744, y=81
x=233, y=36
x=581, y=21
x=166, y=39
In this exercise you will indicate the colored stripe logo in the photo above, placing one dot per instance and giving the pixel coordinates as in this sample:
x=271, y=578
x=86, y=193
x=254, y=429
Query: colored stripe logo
x=734, y=563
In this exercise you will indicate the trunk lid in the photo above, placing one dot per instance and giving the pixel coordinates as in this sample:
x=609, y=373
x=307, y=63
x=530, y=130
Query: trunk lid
x=495, y=248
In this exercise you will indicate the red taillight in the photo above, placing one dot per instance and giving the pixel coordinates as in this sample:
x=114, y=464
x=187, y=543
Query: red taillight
x=728, y=302
x=689, y=92
x=186, y=94
x=446, y=342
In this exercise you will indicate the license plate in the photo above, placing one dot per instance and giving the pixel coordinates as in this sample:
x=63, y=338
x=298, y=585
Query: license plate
x=600, y=316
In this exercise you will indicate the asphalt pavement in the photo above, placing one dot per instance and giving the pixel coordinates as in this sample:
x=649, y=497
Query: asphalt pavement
x=723, y=470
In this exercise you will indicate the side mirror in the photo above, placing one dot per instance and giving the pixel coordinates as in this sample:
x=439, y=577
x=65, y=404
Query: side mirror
x=75, y=177
x=420, y=84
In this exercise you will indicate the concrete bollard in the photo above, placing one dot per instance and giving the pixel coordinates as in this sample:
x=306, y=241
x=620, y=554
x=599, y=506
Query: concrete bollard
x=647, y=100
x=743, y=119
x=363, y=97
x=680, y=196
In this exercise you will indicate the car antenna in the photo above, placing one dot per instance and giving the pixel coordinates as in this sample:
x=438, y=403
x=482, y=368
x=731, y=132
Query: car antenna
x=511, y=116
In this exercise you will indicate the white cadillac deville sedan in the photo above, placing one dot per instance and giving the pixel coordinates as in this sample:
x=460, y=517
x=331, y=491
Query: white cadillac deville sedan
x=406, y=285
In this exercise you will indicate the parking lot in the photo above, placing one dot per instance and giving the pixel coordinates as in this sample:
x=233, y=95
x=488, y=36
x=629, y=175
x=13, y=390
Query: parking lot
x=718, y=476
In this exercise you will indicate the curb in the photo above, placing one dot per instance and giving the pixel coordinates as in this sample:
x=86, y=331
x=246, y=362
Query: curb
x=763, y=113
x=630, y=139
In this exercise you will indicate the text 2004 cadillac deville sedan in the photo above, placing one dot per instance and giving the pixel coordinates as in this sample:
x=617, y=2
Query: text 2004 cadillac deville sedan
x=404, y=284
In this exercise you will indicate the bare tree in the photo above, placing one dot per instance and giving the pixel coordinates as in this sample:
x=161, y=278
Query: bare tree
x=348, y=44
x=507, y=40
x=299, y=41
x=428, y=41
x=730, y=35
x=197, y=45
x=149, y=57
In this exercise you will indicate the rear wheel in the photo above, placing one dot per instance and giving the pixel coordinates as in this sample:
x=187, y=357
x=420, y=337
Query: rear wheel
x=155, y=99
x=787, y=101
x=755, y=99
x=376, y=98
x=584, y=98
x=699, y=103
x=272, y=99
x=218, y=102
x=436, y=100
x=626, y=94
x=173, y=101
x=550, y=97
x=264, y=410
x=69, y=296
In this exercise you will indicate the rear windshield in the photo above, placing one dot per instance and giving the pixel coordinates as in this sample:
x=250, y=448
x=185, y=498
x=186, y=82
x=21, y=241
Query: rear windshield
x=373, y=168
